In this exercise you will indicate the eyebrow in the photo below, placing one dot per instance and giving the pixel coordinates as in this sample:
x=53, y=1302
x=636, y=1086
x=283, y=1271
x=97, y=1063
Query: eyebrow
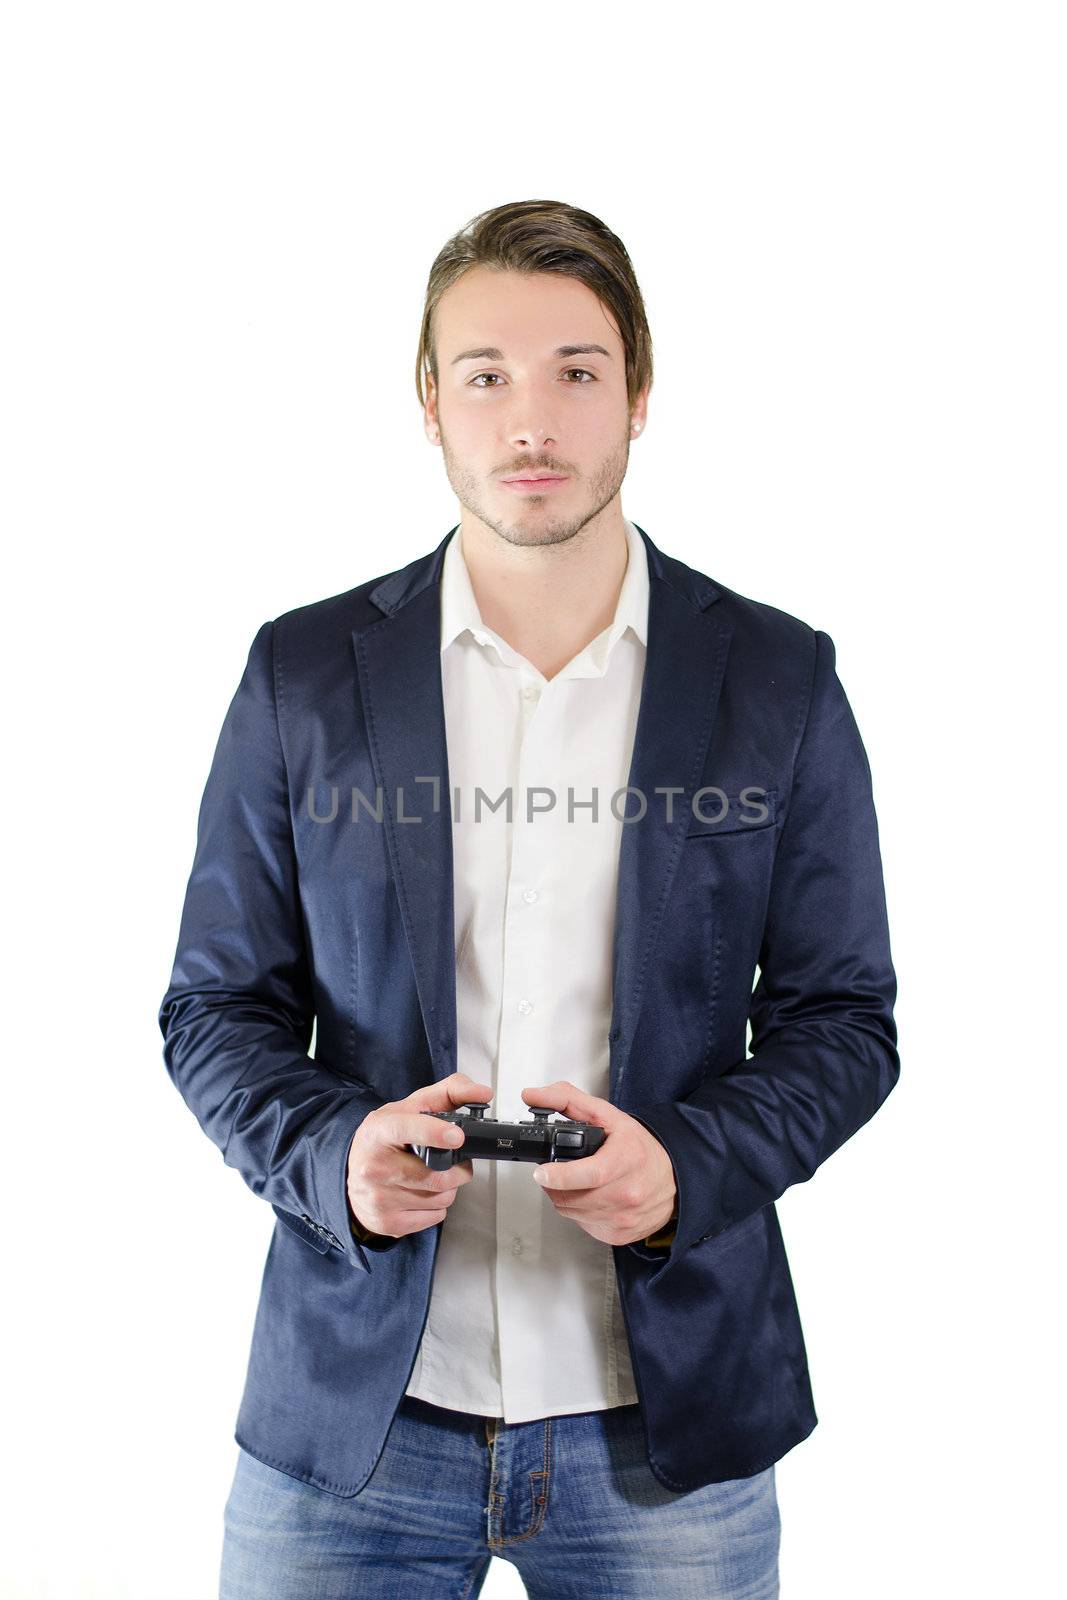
x=491, y=353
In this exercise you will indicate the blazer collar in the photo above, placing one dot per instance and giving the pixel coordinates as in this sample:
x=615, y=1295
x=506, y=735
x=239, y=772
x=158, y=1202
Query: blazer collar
x=401, y=586
x=460, y=612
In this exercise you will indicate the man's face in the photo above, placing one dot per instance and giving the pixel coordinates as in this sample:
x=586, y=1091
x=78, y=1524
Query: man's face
x=509, y=402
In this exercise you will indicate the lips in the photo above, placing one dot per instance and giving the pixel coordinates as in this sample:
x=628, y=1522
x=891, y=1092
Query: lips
x=550, y=477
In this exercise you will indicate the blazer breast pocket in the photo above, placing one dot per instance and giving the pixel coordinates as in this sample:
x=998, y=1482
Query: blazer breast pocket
x=726, y=814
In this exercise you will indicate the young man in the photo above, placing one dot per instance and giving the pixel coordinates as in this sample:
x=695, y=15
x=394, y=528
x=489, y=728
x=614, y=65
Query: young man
x=519, y=822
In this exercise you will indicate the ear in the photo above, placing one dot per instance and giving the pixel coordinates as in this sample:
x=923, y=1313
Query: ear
x=639, y=412
x=430, y=419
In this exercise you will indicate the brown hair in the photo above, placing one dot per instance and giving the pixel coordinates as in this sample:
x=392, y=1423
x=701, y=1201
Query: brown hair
x=544, y=236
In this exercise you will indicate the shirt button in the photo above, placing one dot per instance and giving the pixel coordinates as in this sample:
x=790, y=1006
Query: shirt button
x=529, y=895
x=525, y=1006
x=531, y=691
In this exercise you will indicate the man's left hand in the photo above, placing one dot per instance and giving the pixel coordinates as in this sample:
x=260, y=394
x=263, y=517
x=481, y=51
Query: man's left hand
x=626, y=1190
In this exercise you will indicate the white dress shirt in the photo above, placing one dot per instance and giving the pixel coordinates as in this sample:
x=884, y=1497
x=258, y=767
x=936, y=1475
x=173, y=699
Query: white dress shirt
x=524, y=1318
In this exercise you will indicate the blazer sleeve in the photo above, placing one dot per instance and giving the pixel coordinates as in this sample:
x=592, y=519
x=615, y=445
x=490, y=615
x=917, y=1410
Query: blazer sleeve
x=237, y=1016
x=824, y=1054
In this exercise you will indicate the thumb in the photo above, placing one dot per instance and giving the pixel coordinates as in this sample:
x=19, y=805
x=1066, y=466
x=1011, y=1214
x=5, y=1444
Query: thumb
x=574, y=1103
x=447, y=1093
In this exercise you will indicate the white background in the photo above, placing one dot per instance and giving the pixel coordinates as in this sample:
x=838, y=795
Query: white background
x=847, y=221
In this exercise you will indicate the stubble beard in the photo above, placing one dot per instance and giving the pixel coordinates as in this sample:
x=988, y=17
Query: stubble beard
x=537, y=527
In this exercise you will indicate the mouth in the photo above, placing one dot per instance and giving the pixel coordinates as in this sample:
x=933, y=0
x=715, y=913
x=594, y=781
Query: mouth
x=537, y=485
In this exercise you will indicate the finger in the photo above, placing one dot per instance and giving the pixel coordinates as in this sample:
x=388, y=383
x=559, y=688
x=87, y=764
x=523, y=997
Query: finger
x=411, y=1171
x=575, y=1192
x=404, y=1196
x=401, y=1128
x=461, y=1089
x=573, y=1102
x=444, y=1096
x=589, y=1172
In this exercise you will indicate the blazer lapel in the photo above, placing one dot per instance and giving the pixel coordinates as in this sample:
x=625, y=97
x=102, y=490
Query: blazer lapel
x=398, y=661
x=399, y=670
x=684, y=664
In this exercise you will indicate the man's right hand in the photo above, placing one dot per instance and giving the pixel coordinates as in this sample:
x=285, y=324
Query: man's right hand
x=392, y=1192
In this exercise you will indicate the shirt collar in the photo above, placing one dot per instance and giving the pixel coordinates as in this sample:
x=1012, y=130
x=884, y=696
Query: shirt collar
x=460, y=613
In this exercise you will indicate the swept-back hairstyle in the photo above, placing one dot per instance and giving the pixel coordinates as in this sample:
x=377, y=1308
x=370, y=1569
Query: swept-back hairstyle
x=544, y=236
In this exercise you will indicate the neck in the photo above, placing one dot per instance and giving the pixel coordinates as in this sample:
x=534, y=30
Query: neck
x=548, y=601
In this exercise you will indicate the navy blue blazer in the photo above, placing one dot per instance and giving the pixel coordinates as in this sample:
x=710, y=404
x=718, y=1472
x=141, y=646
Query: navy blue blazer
x=291, y=923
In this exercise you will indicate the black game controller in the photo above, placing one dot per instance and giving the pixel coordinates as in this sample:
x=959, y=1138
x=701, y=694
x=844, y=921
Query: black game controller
x=486, y=1140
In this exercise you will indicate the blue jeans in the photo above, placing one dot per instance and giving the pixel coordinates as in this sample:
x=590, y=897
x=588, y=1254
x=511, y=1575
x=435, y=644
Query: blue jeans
x=570, y=1501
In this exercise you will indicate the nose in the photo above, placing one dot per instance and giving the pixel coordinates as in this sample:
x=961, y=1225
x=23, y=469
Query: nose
x=531, y=439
